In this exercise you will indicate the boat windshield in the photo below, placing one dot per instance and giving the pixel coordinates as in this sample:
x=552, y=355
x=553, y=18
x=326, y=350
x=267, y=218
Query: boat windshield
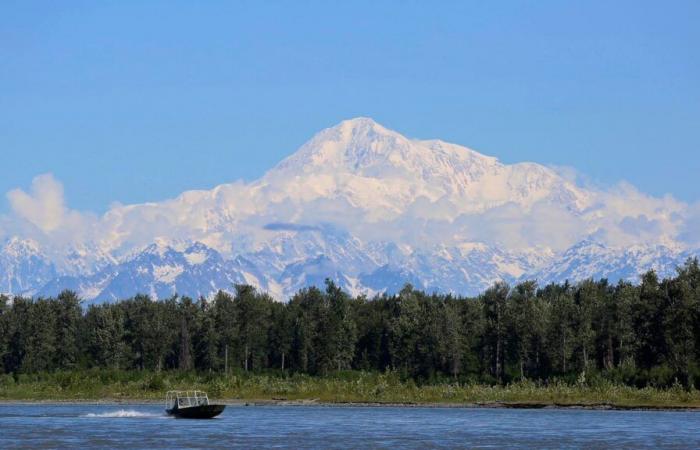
x=185, y=399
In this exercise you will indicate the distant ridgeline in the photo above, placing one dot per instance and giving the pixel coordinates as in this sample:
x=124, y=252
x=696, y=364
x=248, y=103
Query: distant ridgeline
x=646, y=334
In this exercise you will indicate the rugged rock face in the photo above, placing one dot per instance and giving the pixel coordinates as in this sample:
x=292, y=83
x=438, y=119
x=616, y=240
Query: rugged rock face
x=362, y=205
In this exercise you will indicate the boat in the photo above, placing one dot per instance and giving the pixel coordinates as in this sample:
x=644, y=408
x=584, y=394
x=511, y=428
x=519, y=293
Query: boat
x=191, y=405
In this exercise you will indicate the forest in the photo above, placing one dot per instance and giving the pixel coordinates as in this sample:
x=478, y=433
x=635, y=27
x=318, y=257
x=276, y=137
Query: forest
x=639, y=335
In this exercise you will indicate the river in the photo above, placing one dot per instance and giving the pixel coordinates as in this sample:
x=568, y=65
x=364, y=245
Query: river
x=146, y=426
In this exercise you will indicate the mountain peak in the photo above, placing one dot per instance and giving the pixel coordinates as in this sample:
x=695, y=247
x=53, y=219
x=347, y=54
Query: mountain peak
x=363, y=147
x=360, y=126
x=360, y=121
x=377, y=169
x=16, y=246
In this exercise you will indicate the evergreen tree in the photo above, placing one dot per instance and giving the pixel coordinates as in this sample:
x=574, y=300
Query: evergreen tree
x=225, y=324
x=149, y=329
x=105, y=340
x=452, y=348
x=372, y=322
x=39, y=337
x=682, y=309
x=648, y=320
x=4, y=330
x=68, y=315
x=403, y=331
x=586, y=303
x=495, y=332
x=304, y=313
x=205, y=339
x=253, y=313
x=340, y=333
x=280, y=335
x=560, y=328
x=525, y=326
x=622, y=318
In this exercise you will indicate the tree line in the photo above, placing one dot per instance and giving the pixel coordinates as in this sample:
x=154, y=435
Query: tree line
x=637, y=334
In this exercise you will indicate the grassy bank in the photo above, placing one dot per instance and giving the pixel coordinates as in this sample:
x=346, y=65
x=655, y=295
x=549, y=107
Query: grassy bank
x=346, y=387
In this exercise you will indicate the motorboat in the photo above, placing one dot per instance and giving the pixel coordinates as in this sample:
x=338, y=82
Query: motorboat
x=191, y=405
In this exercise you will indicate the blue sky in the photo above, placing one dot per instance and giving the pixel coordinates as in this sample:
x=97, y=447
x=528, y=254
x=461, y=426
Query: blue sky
x=137, y=101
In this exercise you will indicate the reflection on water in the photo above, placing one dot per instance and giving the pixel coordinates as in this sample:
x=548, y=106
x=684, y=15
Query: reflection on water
x=146, y=426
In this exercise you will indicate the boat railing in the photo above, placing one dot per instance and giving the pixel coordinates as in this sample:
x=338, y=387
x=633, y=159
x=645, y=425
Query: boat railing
x=185, y=399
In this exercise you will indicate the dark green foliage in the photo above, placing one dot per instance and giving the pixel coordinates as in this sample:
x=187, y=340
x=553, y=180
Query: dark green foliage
x=323, y=332
x=495, y=337
x=205, y=340
x=252, y=311
x=646, y=335
x=526, y=316
x=104, y=337
x=66, y=310
x=279, y=336
x=4, y=329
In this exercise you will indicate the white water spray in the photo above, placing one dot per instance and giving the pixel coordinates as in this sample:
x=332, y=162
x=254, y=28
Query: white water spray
x=123, y=413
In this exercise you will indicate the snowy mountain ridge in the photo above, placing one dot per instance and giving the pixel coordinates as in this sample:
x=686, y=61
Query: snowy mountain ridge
x=367, y=207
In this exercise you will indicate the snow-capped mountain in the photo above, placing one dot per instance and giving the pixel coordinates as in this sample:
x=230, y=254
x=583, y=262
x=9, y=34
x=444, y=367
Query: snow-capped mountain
x=23, y=267
x=589, y=259
x=359, y=174
x=364, y=206
x=379, y=170
x=162, y=271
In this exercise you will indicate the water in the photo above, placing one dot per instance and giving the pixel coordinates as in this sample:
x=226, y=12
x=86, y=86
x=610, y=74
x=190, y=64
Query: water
x=145, y=426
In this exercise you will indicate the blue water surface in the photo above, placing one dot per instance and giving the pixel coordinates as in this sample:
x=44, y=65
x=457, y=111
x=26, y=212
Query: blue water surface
x=146, y=426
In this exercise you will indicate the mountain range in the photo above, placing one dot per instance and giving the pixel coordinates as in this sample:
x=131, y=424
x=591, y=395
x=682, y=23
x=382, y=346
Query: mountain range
x=364, y=206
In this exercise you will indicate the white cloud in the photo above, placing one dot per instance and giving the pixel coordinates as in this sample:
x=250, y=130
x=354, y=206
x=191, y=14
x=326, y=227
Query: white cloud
x=689, y=231
x=43, y=206
x=624, y=216
x=42, y=214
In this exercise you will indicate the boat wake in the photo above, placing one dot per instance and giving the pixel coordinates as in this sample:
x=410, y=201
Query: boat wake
x=123, y=413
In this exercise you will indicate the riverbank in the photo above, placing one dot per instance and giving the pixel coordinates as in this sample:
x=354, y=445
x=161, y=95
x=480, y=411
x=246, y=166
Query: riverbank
x=342, y=389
